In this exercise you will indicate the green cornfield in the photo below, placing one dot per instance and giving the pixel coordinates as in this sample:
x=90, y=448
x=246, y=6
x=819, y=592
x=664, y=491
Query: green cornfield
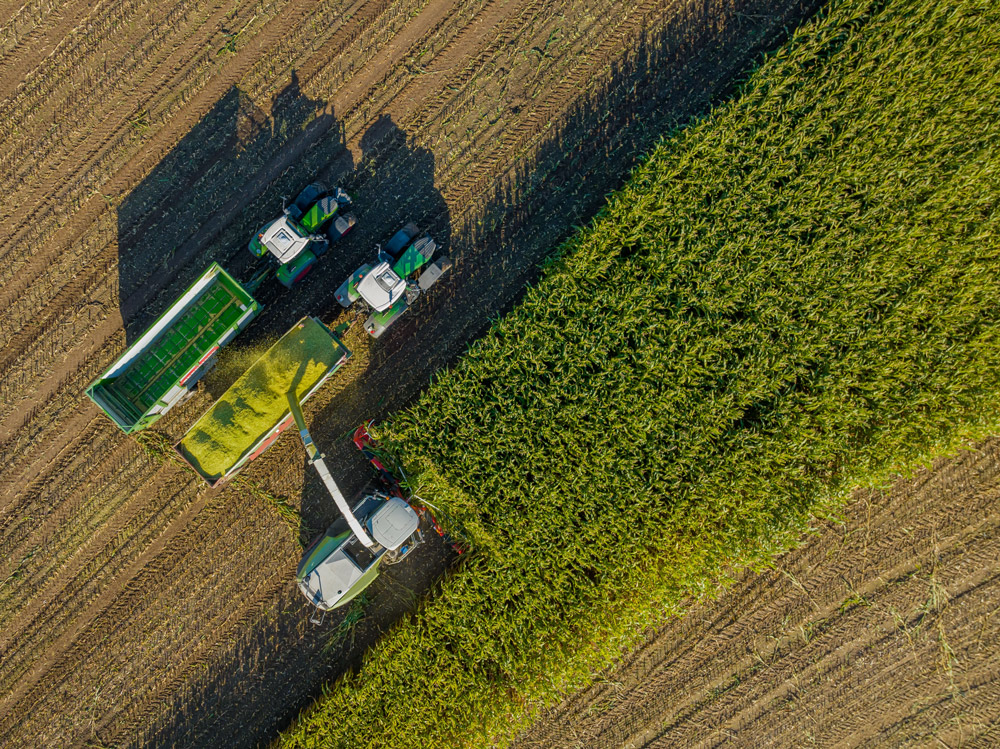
x=792, y=297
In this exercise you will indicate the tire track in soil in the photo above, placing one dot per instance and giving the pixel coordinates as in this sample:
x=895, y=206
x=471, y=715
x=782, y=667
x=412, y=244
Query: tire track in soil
x=198, y=540
x=24, y=452
x=99, y=510
x=22, y=60
x=114, y=131
x=835, y=633
x=68, y=155
x=44, y=506
x=112, y=594
x=19, y=58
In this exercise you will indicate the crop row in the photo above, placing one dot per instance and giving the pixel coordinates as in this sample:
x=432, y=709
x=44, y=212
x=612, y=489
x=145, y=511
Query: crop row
x=792, y=297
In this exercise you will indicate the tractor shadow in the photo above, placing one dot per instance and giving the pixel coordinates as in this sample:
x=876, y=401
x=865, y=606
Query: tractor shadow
x=277, y=665
x=191, y=210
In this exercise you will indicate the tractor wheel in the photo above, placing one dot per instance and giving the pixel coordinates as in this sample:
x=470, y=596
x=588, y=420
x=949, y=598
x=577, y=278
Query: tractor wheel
x=293, y=272
x=400, y=239
x=341, y=225
x=302, y=274
x=309, y=196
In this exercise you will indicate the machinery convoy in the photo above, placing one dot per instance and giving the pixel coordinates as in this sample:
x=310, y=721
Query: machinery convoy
x=161, y=368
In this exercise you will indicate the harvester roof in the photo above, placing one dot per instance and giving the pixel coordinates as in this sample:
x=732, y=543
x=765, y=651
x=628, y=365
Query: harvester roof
x=332, y=579
x=393, y=523
x=340, y=564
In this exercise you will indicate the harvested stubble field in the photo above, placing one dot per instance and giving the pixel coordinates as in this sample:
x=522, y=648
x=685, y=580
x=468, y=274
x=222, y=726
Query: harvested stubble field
x=141, y=140
x=882, y=630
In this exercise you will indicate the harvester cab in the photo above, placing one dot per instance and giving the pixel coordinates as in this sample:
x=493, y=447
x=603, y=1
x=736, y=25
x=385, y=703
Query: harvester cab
x=339, y=565
x=391, y=285
x=380, y=529
x=303, y=233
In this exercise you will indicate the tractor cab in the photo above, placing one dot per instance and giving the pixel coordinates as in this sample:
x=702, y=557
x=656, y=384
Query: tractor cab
x=303, y=233
x=338, y=566
x=285, y=239
x=391, y=285
x=381, y=287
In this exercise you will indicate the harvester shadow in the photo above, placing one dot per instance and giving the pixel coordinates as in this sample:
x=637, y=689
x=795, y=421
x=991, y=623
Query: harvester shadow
x=277, y=665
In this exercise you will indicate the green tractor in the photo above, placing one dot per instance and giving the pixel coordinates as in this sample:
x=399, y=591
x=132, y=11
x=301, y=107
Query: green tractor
x=304, y=232
x=390, y=286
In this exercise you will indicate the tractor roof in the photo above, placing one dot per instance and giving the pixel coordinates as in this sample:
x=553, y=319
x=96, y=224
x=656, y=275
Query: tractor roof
x=284, y=239
x=382, y=287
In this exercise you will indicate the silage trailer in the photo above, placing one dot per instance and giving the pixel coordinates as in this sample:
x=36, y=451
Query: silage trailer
x=163, y=365
x=254, y=411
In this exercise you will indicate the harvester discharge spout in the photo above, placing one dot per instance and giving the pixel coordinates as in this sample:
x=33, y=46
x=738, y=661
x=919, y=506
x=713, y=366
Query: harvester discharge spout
x=316, y=459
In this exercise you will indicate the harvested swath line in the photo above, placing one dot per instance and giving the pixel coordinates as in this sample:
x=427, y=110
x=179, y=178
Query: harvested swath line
x=82, y=529
x=45, y=614
x=62, y=634
x=158, y=638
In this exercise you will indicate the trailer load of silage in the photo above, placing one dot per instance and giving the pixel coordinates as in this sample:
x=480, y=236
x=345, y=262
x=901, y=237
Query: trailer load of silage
x=258, y=401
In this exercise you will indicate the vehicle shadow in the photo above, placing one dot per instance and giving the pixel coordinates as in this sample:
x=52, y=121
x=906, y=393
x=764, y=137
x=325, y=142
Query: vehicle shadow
x=278, y=663
x=170, y=226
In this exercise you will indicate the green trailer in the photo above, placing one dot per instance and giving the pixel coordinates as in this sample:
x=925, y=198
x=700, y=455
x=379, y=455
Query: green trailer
x=251, y=415
x=162, y=367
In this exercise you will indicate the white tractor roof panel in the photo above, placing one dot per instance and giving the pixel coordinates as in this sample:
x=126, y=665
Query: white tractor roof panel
x=381, y=288
x=283, y=241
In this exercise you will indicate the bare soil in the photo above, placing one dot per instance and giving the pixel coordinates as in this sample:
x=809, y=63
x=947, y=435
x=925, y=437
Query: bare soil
x=141, y=140
x=880, y=631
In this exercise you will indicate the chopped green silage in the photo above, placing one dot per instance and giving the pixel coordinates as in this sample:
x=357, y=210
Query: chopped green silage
x=258, y=400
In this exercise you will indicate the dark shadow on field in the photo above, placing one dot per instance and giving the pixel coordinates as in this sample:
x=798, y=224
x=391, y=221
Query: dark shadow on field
x=274, y=666
x=169, y=226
